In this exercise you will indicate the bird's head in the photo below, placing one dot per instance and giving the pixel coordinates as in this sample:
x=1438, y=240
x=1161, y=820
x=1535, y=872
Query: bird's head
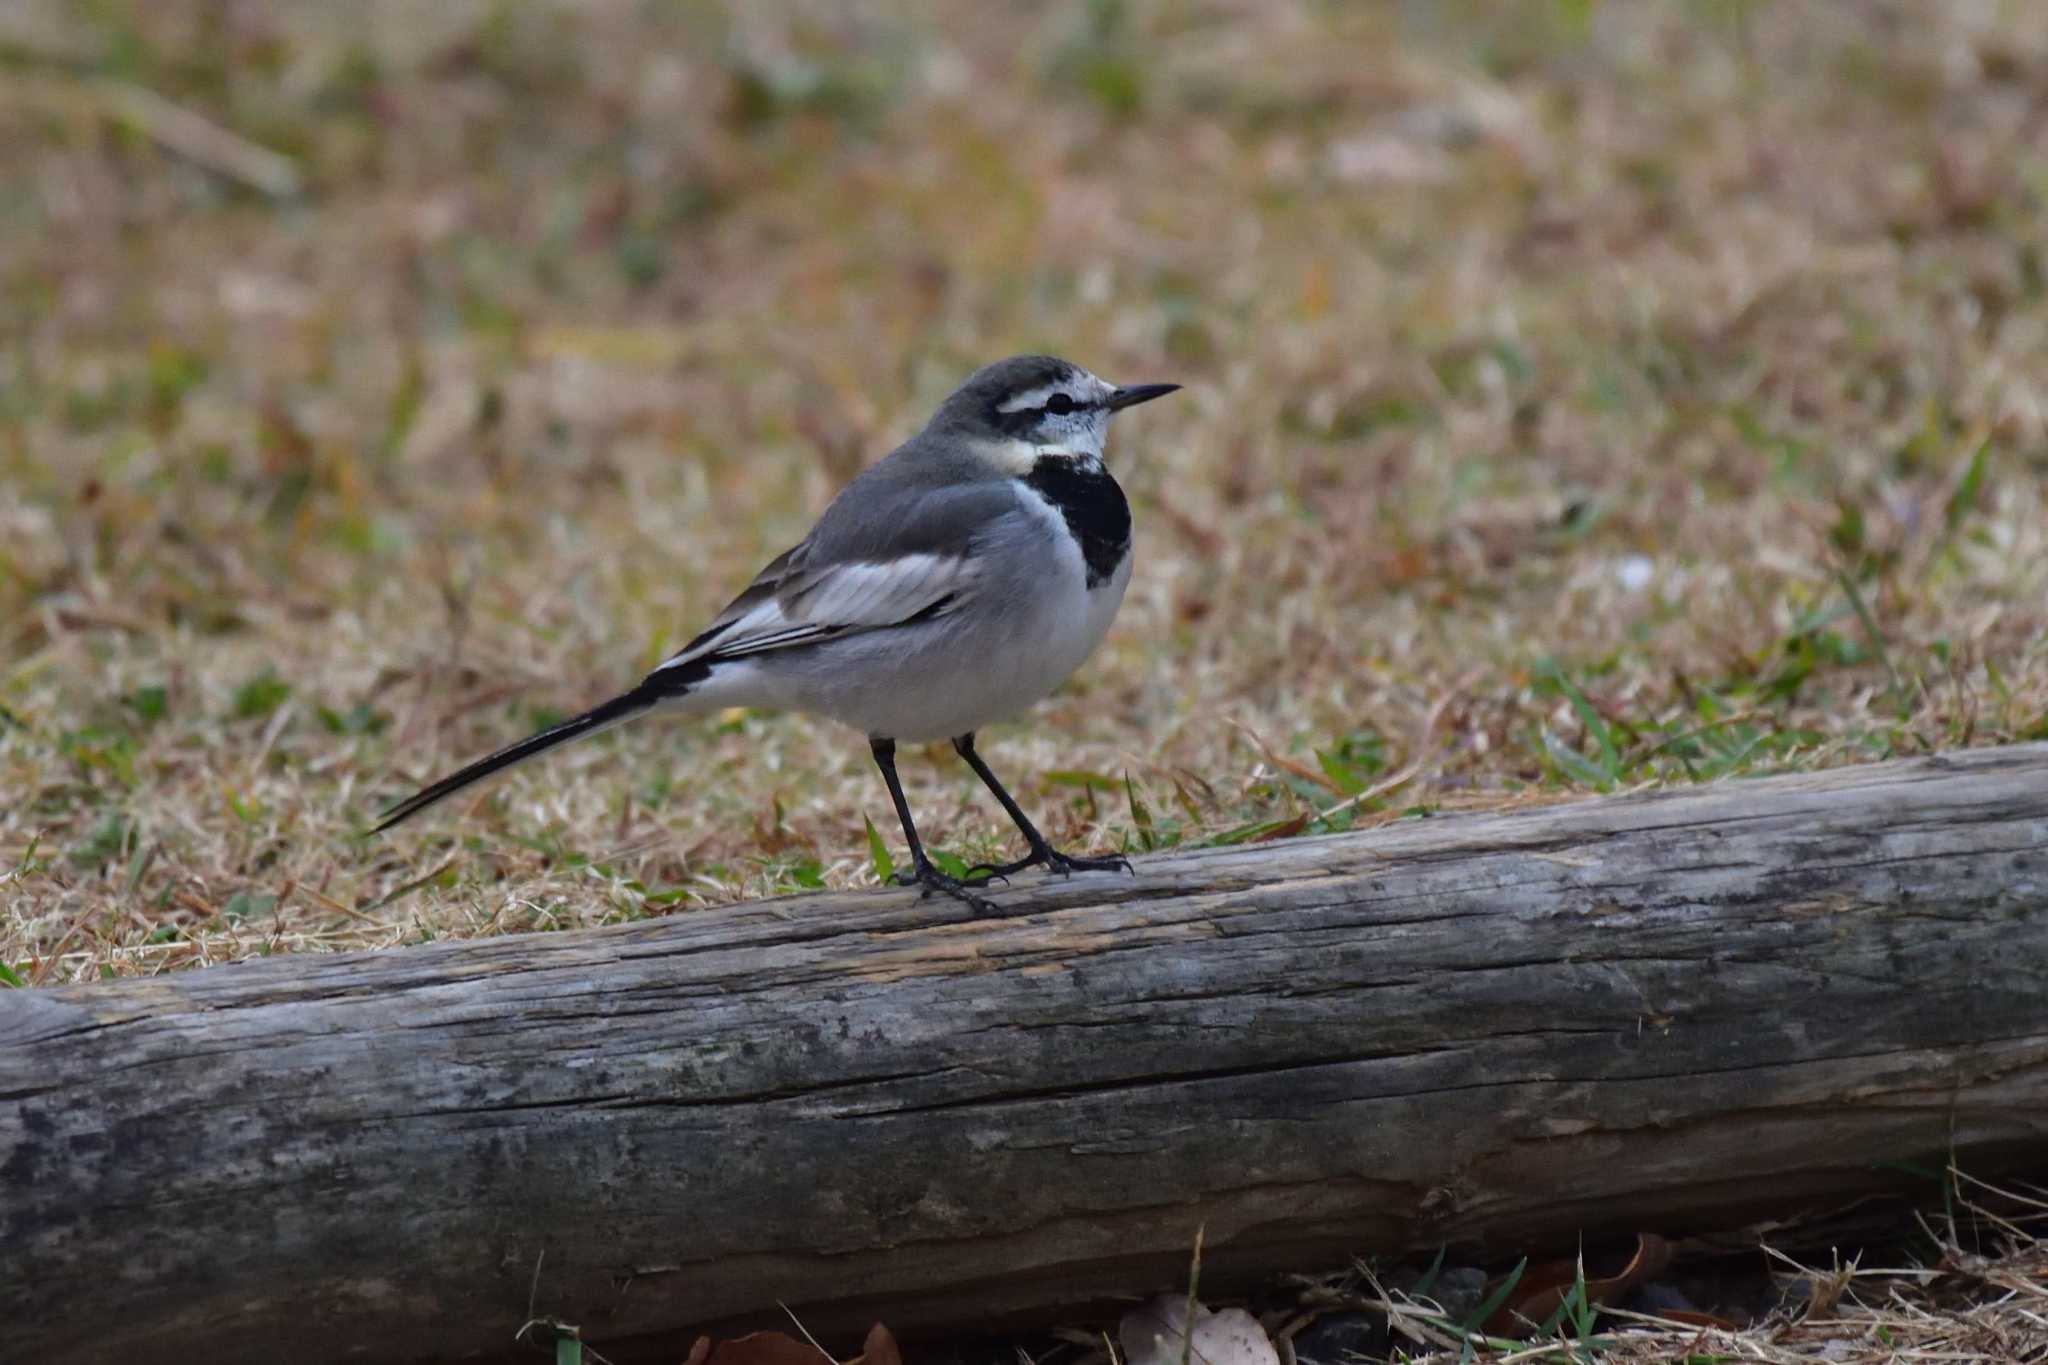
x=1033, y=405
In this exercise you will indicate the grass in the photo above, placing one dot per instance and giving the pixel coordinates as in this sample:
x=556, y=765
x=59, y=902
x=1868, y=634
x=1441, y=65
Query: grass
x=1578, y=398
x=1982, y=1295
x=1972, y=1285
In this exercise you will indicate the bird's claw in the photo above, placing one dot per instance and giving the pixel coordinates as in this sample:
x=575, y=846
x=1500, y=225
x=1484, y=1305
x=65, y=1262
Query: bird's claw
x=981, y=873
x=924, y=875
x=1053, y=861
x=1107, y=862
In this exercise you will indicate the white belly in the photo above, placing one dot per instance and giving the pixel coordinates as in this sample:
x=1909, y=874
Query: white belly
x=1030, y=620
x=981, y=666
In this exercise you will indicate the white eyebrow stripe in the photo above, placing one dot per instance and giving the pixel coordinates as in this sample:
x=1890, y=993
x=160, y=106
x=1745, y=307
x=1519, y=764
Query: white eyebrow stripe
x=1033, y=399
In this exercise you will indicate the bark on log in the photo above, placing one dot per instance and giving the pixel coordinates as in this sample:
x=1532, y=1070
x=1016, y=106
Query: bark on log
x=1666, y=1011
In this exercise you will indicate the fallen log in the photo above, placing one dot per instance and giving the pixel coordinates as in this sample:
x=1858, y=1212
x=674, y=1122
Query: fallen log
x=1672, y=1011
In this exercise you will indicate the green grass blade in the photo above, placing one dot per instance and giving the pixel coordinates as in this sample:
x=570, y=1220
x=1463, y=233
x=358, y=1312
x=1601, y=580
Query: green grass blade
x=878, y=852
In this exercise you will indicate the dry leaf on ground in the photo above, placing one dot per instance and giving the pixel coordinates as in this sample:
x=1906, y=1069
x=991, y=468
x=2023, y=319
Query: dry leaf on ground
x=779, y=1348
x=1546, y=1285
x=879, y=1349
x=1157, y=1334
x=757, y=1348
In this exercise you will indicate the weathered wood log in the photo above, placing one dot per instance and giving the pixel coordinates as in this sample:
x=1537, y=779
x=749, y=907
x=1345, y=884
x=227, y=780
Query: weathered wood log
x=1666, y=1011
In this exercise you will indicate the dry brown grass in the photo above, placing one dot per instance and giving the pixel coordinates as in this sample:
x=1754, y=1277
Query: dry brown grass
x=1983, y=1297
x=1645, y=391
x=1977, y=1309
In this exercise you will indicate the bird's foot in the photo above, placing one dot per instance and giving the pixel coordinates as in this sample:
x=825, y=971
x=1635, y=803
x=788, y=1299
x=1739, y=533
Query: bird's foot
x=1053, y=861
x=923, y=874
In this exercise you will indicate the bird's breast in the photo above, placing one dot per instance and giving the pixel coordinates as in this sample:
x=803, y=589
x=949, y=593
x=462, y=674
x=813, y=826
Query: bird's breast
x=1093, y=507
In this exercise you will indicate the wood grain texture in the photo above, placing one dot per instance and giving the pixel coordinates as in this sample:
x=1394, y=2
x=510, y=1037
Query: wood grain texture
x=1670, y=1011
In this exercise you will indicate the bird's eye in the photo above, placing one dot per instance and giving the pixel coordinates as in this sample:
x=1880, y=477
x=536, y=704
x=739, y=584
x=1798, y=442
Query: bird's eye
x=1059, y=405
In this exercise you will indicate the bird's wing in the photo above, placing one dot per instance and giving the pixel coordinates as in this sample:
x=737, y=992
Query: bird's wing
x=838, y=599
x=906, y=558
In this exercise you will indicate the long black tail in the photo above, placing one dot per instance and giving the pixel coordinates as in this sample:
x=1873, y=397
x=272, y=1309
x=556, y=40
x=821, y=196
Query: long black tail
x=602, y=717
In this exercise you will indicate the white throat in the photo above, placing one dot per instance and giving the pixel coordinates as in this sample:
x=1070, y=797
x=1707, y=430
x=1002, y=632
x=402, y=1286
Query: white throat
x=1017, y=457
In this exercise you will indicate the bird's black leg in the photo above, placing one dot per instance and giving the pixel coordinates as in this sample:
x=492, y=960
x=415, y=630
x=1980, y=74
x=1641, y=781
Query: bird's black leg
x=1041, y=851
x=921, y=873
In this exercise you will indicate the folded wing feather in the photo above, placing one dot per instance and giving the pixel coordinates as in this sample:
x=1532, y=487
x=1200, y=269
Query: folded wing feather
x=790, y=604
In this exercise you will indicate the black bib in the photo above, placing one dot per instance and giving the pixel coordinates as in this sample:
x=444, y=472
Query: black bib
x=1094, y=507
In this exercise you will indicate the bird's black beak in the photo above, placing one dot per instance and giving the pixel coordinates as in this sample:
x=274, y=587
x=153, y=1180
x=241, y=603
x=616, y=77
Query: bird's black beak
x=1135, y=394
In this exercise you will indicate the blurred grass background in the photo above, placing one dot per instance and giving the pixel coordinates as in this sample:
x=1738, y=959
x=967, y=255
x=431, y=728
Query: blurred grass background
x=1581, y=395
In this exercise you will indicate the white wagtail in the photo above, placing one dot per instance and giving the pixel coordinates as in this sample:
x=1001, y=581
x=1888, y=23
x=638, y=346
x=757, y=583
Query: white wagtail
x=957, y=581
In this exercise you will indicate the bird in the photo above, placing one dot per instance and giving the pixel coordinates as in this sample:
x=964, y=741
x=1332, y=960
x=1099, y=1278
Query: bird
x=955, y=582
